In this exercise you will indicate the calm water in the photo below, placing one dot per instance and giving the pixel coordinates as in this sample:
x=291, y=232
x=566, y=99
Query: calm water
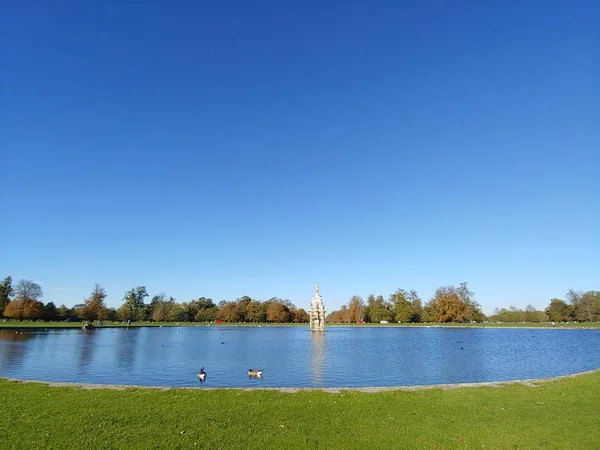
x=295, y=357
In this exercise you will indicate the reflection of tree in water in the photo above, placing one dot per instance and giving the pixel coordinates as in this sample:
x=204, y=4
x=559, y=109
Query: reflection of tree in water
x=317, y=340
x=14, y=347
x=87, y=346
x=126, y=346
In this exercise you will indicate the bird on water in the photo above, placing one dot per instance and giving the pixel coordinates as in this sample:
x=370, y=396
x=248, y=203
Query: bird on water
x=202, y=375
x=255, y=373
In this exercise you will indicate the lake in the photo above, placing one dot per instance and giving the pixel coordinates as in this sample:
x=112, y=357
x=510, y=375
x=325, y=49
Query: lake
x=295, y=357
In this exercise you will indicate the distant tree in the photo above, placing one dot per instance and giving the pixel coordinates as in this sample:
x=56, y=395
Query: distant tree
x=241, y=305
x=177, y=313
x=111, y=315
x=587, y=308
x=300, y=316
x=161, y=306
x=278, y=312
x=25, y=304
x=49, y=313
x=94, y=307
x=559, y=311
x=368, y=308
x=229, y=312
x=255, y=312
x=133, y=303
x=24, y=309
x=27, y=289
x=573, y=297
x=380, y=310
x=447, y=305
x=206, y=314
x=6, y=291
x=63, y=313
x=402, y=308
x=356, y=308
x=473, y=309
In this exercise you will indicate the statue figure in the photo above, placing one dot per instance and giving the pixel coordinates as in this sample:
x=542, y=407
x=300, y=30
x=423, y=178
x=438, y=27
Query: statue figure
x=317, y=288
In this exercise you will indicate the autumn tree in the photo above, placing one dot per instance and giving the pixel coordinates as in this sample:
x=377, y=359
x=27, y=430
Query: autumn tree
x=447, y=306
x=300, y=316
x=255, y=312
x=25, y=303
x=278, y=312
x=228, y=312
x=94, y=307
x=355, y=308
x=6, y=291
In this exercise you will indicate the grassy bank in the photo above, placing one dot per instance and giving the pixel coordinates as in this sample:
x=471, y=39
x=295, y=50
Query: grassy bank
x=106, y=324
x=561, y=414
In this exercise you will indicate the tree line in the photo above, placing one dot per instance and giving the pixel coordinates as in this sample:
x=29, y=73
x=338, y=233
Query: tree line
x=457, y=304
x=448, y=304
x=23, y=302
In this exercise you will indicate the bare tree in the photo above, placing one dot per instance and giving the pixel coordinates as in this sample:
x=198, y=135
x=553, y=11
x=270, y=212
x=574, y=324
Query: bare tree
x=28, y=290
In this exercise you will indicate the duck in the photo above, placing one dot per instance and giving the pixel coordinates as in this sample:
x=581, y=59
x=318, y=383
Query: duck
x=255, y=373
x=202, y=375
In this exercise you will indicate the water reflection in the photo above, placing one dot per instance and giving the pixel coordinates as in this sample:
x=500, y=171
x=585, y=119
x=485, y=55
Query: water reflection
x=295, y=357
x=12, y=347
x=317, y=341
x=87, y=347
x=126, y=346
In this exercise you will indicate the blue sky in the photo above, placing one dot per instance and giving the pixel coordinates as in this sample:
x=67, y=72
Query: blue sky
x=235, y=148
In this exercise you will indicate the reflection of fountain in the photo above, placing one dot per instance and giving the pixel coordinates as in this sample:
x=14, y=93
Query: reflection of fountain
x=317, y=357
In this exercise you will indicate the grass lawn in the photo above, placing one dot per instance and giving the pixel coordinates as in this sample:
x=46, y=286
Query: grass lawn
x=561, y=414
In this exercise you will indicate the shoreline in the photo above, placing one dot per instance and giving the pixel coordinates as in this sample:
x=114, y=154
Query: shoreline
x=528, y=382
x=80, y=325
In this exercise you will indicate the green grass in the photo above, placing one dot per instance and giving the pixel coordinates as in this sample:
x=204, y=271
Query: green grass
x=562, y=414
x=29, y=324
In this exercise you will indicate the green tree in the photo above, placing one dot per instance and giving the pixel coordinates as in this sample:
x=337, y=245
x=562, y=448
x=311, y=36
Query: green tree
x=64, y=313
x=133, y=303
x=559, y=311
x=380, y=310
x=206, y=314
x=587, y=309
x=473, y=309
x=6, y=291
x=402, y=308
x=161, y=306
x=242, y=303
x=50, y=314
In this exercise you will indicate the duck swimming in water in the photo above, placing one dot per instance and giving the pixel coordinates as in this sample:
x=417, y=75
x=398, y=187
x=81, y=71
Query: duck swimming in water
x=255, y=373
x=202, y=375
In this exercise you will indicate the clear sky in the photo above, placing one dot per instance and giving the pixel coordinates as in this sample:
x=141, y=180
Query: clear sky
x=235, y=148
